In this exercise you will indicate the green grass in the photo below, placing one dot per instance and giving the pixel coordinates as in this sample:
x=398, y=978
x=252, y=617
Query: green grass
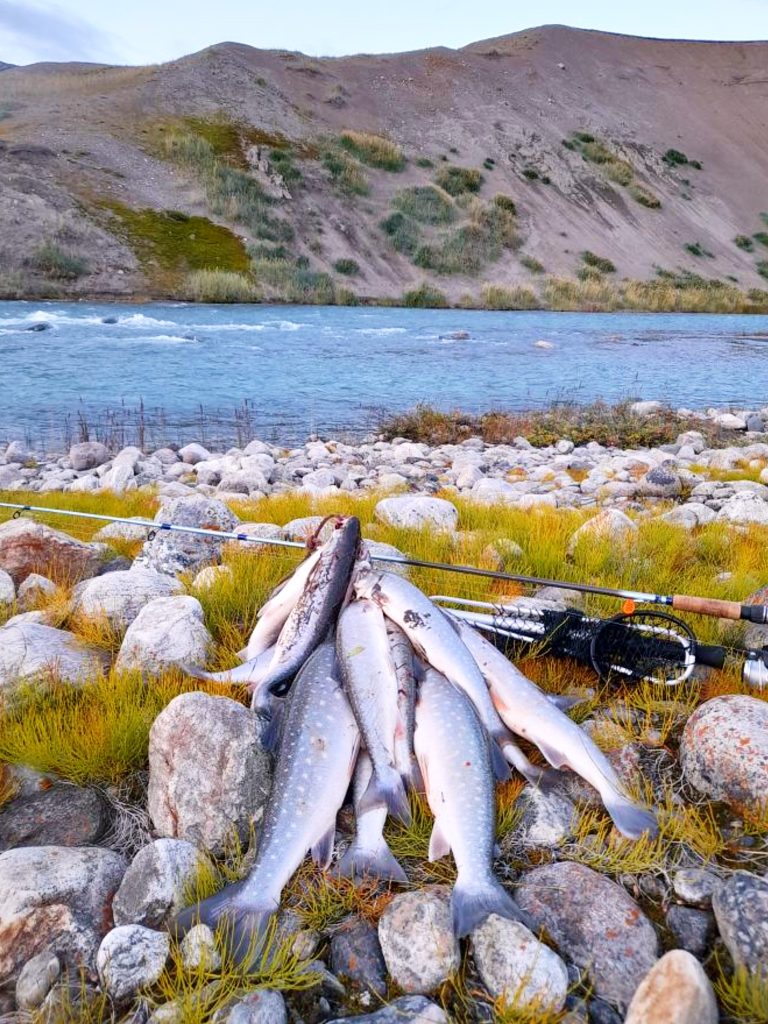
x=58, y=262
x=742, y=993
x=616, y=169
x=403, y=232
x=761, y=237
x=762, y=268
x=374, y=150
x=292, y=281
x=220, y=286
x=532, y=264
x=744, y=242
x=282, y=161
x=426, y=296
x=601, y=263
x=697, y=249
x=346, y=173
x=427, y=204
x=519, y=297
x=490, y=230
x=347, y=267
x=645, y=197
x=458, y=180
x=675, y=158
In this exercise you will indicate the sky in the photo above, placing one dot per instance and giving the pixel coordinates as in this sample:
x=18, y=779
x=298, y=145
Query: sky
x=151, y=31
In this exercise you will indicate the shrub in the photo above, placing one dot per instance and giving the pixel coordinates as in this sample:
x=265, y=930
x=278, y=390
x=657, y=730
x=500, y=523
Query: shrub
x=761, y=237
x=695, y=163
x=426, y=203
x=674, y=157
x=424, y=161
x=697, y=249
x=293, y=281
x=489, y=163
x=532, y=264
x=282, y=161
x=744, y=242
x=530, y=173
x=349, y=267
x=403, y=232
x=645, y=197
x=425, y=297
x=597, y=152
x=583, y=137
x=219, y=286
x=505, y=203
x=56, y=261
x=762, y=268
x=491, y=229
x=620, y=171
x=601, y=263
x=374, y=150
x=346, y=173
x=458, y=180
x=519, y=297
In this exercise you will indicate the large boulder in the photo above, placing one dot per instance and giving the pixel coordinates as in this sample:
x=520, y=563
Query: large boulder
x=31, y=649
x=208, y=774
x=594, y=923
x=744, y=508
x=55, y=899
x=119, y=596
x=417, y=939
x=27, y=546
x=61, y=815
x=131, y=958
x=417, y=512
x=675, y=991
x=168, y=631
x=173, y=553
x=514, y=965
x=88, y=455
x=724, y=750
x=608, y=524
x=741, y=912
x=152, y=888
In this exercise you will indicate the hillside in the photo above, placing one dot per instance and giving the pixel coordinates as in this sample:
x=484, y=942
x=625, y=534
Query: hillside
x=550, y=165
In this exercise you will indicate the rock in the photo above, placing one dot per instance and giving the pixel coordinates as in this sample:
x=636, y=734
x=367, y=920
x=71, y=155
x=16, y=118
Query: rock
x=210, y=575
x=610, y=523
x=152, y=888
x=88, y=455
x=675, y=991
x=724, y=750
x=548, y=817
x=594, y=923
x=120, y=596
x=695, y=886
x=416, y=512
x=305, y=527
x=693, y=930
x=121, y=531
x=36, y=979
x=264, y=1006
x=62, y=907
x=741, y=912
x=193, y=453
x=745, y=507
x=60, y=816
x=491, y=490
x=30, y=649
x=646, y=408
x=378, y=548
x=728, y=421
x=198, y=949
x=356, y=957
x=131, y=958
x=503, y=554
x=267, y=531
x=319, y=478
x=121, y=476
x=7, y=588
x=417, y=940
x=17, y=451
x=33, y=589
x=514, y=965
x=173, y=553
x=208, y=774
x=755, y=424
x=405, y=1010
x=27, y=546
x=662, y=481
x=168, y=631
x=468, y=476
x=690, y=515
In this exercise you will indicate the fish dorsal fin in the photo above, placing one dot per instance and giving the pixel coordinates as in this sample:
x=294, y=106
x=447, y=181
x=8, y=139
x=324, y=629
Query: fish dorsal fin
x=438, y=843
x=322, y=851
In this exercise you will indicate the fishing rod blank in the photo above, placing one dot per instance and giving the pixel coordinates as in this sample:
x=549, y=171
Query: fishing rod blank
x=679, y=602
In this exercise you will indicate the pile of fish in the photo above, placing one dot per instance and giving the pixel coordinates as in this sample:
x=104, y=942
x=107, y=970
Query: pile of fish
x=361, y=678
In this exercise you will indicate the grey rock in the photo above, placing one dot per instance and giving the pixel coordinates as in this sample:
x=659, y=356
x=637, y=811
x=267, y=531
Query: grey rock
x=741, y=912
x=27, y=546
x=11, y=478
x=173, y=553
x=503, y=554
x=548, y=817
x=378, y=548
x=755, y=424
x=120, y=596
x=131, y=958
x=514, y=965
x=417, y=940
x=152, y=888
x=405, y=1010
x=60, y=816
x=33, y=589
x=268, y=531
x=264, y=1006
x=662, y=481
x=208, y=774
x=416, y=512
x=305, y=527
x=693, y=930
x=608, y=523
x=676, y=989
x=744, y=508
x=191, y=454
x=62, y=908
x=210, y=575
x=356, y=957
x=198, y=949
x=29, y=650
x=121, y=531
x=594, y=923
x=88, y=455
x=7, y=588
x=168, y=631
x=695, y=886
x=36, y=979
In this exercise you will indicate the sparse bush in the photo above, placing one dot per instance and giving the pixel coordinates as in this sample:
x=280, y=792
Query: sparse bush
x=597, y=152
x=744, y=242
x=645, y=197
x=56, y=261
x=282, y=161
x=373, y=150
x=583, y=137
x=294, y=281
x=425, y=297
x=762, y=268
x=489, y=163
x=620, y=171
x=219, y=286
x=601, y=263
x=426, y=203
x=530, y=173
x=349, y=267
x=532, y=264
x=589, y=274
x=403, y=232
x=424, y=161
x=568, y=144
x=697, y=249
x=466, y=250
x=458, y=180
x=346, y=173
x=695, y=163
x=761, y=237
x=505, y=203
x=497, y=297
x=674, y=157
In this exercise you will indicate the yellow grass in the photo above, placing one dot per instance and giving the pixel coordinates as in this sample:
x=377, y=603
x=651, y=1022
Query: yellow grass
x=743, y=994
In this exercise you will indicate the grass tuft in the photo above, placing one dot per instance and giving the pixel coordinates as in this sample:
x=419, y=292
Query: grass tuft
x=427, y=204
x=519, y=297
x=426, y=296
x=374, y=150
x=743, y=994
x=219, y=286
x=458, y=180
x=58, y=262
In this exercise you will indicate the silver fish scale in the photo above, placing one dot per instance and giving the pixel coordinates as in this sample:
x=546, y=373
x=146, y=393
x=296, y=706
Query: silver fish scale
x=318, y=746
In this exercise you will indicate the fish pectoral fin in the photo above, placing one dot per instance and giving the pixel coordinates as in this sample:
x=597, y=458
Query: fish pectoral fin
x=552, y=754
x=438, y=843
x=322, y=851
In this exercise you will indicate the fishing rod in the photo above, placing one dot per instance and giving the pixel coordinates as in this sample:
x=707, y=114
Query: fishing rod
x=679, y=602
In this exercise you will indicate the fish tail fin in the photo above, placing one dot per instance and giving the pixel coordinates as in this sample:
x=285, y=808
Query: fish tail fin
x=361, y=864
x=543, y=778
x=386, y=789
x=630, y=818
x=412, y=777
x=272, y=727
x=498, y=761
x=473, y=901
x=199, y=673
x=242, y=924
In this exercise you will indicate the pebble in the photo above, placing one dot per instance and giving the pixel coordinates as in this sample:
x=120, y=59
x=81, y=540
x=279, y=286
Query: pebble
x=153, y=887
x=356, y=957
x=131, y=958
x=198, y=949
x=417, y=940
x=515, y=966
x=406, y=1010
x=693, y=930
x=675, y=991
x=36, y=979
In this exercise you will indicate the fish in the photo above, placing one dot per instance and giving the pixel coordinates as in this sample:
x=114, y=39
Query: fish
x=435, y=637
x=314, y=614
x=281, y=602
x=369, y=856
x=368, y=673
x=249, y=674
x=453, y=750
x=402, y=656
x=317, y=754
x=528, y=713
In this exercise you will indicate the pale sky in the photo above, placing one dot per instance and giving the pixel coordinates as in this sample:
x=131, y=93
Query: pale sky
x=151, y=31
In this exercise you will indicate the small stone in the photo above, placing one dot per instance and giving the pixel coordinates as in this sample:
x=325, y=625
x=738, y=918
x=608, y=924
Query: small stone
x=405, y=1010
x=168, y=631
x=417, y=512
x=695, y=886
x=356, y=957
x=131, y=958
x=193, y=453
x=7, y=588
x=36, y=979
x=514, y=965
x=741, y=912
x=60, y=816
x=198, y=949
x=610, y=523
x=675, y=991
x=34, y=588
x=503, y=553
x=305, y=527
x=152, y=888
x=417, y=939
x=211, y=575
x=692, y=929
x=548, y=817
x=121, y=531
x=264, y=1006
x=378, y=548
x=728, y=421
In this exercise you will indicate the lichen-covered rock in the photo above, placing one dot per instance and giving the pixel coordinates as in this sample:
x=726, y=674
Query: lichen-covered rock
x=405, y=1010
x=167, y=631
x=692, y=929
x=153, y=886
x=119, y=596
x=417, y=940
x=131, y=958
x=741, y=911
x=378, y=548
x=724, y=750
x=29, y=650
x=594, y=923
x=121, y=531
x=548, y=817
x=513, y=964
x=417, y=512
x=356, y=957
x=610, y=523
x=208, y=774
x=36, y=979
x=55, y=899
x=744, y=508
x=675, y=991
x=59, y=816
x=172, y=553
x=28, y=546
x=695, y=886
